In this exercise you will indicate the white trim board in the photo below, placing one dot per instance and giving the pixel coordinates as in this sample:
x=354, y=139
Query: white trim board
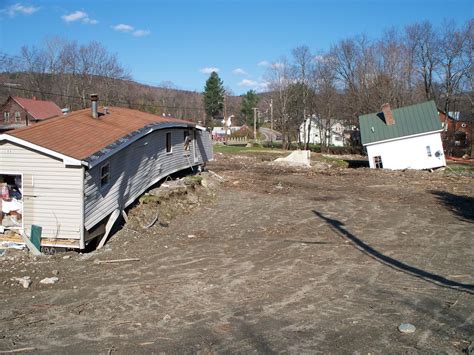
x=404, y=137
x=66, y=159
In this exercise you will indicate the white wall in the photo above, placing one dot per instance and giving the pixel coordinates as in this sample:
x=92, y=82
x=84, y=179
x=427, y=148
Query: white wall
x=409, y=153
x=52, y=193
x=316, y=132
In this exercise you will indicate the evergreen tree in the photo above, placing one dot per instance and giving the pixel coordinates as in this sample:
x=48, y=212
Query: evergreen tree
x=249, y=101
x=213, y=95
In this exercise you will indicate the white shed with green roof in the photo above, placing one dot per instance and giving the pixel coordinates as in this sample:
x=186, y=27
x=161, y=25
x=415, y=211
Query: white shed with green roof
x=404, y=138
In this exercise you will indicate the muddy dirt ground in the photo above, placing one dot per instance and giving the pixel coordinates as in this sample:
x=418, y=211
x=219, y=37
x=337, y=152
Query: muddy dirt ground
x=273, y=259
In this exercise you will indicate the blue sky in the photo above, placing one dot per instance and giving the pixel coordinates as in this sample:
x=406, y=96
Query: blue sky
x=181, y=40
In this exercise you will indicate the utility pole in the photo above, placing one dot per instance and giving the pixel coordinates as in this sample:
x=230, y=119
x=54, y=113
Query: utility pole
x=225, y=106
x=254, y=123
x=271, y=114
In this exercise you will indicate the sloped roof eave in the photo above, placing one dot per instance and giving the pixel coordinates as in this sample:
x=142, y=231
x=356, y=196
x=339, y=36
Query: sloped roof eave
x=403, y=137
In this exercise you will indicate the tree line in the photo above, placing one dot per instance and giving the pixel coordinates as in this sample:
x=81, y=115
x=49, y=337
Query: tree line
x=357, y=75
x=67, y=73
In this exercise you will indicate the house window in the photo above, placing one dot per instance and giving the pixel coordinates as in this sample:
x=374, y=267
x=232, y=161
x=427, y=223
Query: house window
x=17, y=116
x=6, y=116
x=187, y=140
x=105, y=174
x=428, y=150
x=378, y=162
x=168, y=142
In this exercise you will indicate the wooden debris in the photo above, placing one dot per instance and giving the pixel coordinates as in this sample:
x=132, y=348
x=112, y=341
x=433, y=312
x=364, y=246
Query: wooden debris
x=116, y=261
x=30, y=245
x=19, y=350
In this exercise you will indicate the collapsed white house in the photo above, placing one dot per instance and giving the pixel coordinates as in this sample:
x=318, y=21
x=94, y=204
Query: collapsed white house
x=70, y=173
x=403, y=138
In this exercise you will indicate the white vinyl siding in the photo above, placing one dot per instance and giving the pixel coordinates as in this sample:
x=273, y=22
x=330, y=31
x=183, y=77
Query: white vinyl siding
x=136, y=168
x=51, y=192
x=409, y=153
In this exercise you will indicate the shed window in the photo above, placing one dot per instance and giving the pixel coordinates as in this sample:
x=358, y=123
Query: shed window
x=105, y=174
x=6, y=116
x=17, y=116
x=428, y=150
x=378, y=162
x=168, y=142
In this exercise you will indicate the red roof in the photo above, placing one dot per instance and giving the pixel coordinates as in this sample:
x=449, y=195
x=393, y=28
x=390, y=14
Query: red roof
x=39, y=109
x=79, y=136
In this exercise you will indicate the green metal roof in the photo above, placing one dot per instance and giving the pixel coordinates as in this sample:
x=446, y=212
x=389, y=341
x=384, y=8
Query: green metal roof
x=409, y=120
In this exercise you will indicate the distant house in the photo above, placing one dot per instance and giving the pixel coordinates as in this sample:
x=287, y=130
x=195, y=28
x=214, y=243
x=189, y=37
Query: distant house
x=71, y=173
x=457, y=133
x=405, y=138
x=322, y=130
x=19, y=112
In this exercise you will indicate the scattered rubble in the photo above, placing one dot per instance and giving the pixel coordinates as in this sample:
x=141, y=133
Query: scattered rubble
x=49, y=280
x=24, y=281
x=296, y=158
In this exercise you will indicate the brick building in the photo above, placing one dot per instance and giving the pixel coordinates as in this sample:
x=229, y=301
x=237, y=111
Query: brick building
x=456, y=135
x=19, y=112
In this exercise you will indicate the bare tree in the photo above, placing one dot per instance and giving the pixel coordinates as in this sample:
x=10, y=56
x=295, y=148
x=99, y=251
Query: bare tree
x=423, y=43
x=280, y=78
x=303, y=69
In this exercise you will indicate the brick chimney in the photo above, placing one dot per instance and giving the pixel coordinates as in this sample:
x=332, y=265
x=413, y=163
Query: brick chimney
x=387, y=114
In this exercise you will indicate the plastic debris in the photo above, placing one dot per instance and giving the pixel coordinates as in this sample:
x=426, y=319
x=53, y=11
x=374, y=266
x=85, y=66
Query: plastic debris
x=406, y=328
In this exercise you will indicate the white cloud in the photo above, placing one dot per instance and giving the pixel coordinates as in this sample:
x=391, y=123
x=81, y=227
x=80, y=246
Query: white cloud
x=18, y=8
x=130, y=29
x=90, y=21
x=277, y=65
x=239, y=71
x=79, y=16
x=263, y=63
x=248, y=83
x=258, y=85
x=209, y=70
x=141, y=33
x=123, y=28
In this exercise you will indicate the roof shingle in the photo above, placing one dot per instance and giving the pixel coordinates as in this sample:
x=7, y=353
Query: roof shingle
x=79, y=136
x=39, y=109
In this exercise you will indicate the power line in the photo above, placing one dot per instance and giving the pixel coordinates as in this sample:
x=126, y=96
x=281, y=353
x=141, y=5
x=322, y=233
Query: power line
x=113, y=101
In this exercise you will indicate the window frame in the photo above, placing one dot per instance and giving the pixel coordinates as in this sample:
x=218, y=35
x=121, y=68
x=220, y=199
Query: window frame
x=6, y=116
x=378, y=164
x=17, y=116
x=168, y=143
x=186, y=134
x=428, y=151
x=106, y=175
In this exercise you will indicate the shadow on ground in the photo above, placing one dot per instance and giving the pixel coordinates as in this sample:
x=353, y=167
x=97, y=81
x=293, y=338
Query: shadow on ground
x=461, y=206
x=338, y=227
